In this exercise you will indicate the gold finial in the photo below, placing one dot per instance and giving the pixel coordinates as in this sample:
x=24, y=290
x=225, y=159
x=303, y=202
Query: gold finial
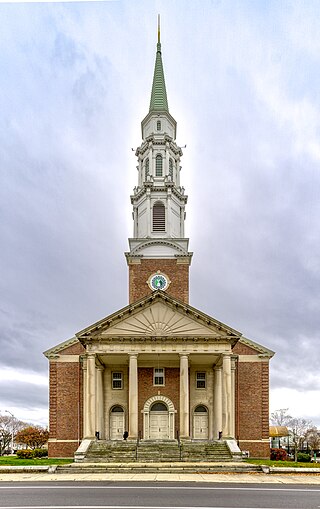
x=158, y=28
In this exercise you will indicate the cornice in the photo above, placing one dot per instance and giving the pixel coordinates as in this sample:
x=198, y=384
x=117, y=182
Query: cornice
x=55, y=350
x=94, y=331
x=156, y=189
x=266, y=352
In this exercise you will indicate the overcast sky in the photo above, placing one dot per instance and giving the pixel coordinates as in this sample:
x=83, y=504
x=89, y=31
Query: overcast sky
x=243, y=83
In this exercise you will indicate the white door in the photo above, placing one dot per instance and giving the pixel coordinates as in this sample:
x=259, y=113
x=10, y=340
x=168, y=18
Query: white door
x=159, y=425
x=200, y=426
x=116, y=425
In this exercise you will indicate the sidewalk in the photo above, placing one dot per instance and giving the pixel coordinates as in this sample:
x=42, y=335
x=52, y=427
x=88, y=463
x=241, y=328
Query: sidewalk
x=209, y=478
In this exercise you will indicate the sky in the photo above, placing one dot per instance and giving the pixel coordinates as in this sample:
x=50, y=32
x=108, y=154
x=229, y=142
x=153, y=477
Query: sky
x=243, y=83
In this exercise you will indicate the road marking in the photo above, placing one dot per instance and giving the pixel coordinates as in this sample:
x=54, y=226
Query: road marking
x=118, y=507
x=213, y=488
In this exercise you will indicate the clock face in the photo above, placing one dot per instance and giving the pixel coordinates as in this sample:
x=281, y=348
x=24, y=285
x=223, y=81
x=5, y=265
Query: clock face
x=158, y=282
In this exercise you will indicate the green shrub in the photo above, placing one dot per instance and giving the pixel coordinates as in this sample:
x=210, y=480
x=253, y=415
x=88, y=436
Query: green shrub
x=278, y=455
x=303, y=457
x=26, y=454
x=40, y=453
x=32, y=453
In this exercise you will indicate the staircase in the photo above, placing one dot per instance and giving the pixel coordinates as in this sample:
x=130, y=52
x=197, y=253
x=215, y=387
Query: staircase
x=152, y=451
x=216, y=451
x=104, y=451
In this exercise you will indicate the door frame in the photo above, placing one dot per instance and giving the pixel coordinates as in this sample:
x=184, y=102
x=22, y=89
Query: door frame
x=124, y=420
x=146, y=415
x=194, y=414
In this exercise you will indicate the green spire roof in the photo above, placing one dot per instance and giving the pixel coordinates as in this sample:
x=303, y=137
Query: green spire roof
x=158, y=100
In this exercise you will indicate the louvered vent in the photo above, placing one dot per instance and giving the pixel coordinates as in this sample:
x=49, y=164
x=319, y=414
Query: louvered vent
x=159, y=218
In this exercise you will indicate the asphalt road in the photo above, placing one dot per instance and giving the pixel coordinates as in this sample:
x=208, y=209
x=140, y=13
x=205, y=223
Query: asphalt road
x=112, y=495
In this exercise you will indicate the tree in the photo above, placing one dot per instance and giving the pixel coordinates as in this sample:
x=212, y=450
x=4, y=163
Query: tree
x=8, y=425
x=298, y=428
x=280, y=417
x=313, y=439
x=33, y=436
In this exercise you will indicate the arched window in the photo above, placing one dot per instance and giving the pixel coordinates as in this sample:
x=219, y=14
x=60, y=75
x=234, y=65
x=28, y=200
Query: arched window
x=158, y=125
x=147, y=168
x=171, y=168
x=158, y=407
x=201, y=408
x=158, y=165
x=158, y=217
x=117, y=409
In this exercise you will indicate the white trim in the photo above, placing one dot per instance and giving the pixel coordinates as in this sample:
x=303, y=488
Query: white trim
x=146, y=415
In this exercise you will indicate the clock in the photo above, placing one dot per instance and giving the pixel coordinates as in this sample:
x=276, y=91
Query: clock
x=158, y=281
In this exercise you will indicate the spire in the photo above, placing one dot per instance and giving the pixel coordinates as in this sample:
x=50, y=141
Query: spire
x=158, y=100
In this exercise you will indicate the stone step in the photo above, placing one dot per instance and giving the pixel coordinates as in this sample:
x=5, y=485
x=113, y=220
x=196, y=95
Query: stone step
x=149, y=451
x=158, y=468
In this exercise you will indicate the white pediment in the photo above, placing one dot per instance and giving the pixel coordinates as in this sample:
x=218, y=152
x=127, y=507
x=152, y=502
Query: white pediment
x=160, y=319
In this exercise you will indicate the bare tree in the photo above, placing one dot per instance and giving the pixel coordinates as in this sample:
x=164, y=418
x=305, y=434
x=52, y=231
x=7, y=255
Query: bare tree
x=280, y=417
x=313, y=439
x=298, y=428
x=8, y=425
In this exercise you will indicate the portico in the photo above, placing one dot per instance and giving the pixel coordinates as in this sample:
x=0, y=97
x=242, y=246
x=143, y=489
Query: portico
x=205, y=352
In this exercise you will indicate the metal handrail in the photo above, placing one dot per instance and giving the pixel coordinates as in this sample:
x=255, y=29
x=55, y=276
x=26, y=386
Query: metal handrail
x=179, y=444
x=137, y=445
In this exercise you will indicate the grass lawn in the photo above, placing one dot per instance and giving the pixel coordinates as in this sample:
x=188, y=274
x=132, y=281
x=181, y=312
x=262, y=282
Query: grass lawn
x=272, y=463
x=14, y=461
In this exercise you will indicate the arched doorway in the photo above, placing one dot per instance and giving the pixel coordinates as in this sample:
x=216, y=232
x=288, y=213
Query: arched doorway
x=159, y=421
x=158, y=418
x=200, y=423
x=116, y=423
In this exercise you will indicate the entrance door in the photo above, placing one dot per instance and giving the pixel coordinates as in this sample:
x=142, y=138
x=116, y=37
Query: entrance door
x=200, y=423
x=116, y=423
x=159, y=422
x=159, y=429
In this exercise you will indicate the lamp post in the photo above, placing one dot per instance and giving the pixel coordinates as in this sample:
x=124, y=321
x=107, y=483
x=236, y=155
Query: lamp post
x=11, y=429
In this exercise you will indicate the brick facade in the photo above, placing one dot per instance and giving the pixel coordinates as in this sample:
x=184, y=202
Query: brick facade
x=177, y=272
x=65, y=403
x=252, y=397
x=147, y=390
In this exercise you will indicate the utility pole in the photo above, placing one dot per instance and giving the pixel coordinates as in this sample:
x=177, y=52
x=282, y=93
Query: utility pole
x=11, y=430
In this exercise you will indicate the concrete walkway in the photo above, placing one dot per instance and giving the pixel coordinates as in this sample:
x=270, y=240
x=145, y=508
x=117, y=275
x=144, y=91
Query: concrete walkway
x=210, y=478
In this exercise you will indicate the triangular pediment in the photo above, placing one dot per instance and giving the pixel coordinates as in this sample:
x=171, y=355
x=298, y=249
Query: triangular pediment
x=158, y=315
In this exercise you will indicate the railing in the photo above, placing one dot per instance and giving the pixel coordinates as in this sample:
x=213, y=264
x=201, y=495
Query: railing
x=179, y=445
x=137, y=445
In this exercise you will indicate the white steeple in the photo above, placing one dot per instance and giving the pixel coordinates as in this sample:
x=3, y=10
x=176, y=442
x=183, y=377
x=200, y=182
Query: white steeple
x=158, y=199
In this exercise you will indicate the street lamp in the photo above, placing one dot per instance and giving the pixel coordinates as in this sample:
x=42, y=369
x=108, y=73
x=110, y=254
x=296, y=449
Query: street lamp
x=11, y=429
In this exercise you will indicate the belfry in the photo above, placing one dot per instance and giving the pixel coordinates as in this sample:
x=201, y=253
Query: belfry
x=159, y=370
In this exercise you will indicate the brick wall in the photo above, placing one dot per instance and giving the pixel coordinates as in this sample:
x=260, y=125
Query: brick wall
x=65, y=408
x=178, y=274
x=146, y=390
x=252, y=396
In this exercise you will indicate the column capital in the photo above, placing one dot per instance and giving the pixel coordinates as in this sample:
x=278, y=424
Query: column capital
x=184, y=355
x=133, y=355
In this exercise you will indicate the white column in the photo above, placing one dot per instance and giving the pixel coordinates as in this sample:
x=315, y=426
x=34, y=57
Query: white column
x=133, y=395
x=100, y=402
x=149, y=211
x=84, y=397
x=233, y=398
x=91, y=396
x=217, y=402
x=184, y=396
x=226, y=400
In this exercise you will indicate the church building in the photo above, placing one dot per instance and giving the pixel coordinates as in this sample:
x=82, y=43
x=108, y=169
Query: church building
x=159, y=369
